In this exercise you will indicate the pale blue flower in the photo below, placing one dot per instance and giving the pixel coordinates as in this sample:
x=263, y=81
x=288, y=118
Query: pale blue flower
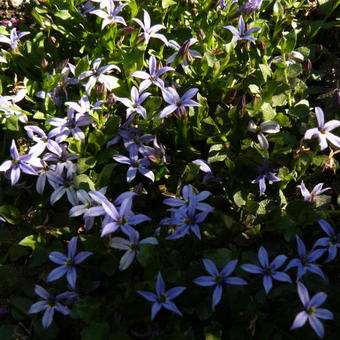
x=162, y=298
x=177, y=103
x=241, y=33
x=131, y=246
x=150, y=31
x=305, y=261
x=218, y=279
x=28, y=164
x=331, y=242
x=49, y=304
x=13, y=39
x=67, y=263
x=322, y=132
x=110, y=16
x=269, y=270
x=311, y=311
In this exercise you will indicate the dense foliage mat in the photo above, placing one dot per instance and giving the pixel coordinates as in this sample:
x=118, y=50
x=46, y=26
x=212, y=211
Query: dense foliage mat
x=169, y=170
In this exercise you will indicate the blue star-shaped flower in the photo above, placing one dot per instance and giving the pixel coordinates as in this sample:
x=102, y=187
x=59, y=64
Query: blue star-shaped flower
x=162, y=298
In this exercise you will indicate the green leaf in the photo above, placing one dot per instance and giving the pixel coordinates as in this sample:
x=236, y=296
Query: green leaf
x=168, y=3
x=16, y=252
x=86, y=163
x=254, y=89
x=20, y=307
x=63, y=14
x=10, y=213
x=134, y=8
x=7, y=332
x=217, y=153
x=290, y=41
x=294, y=70
x=238, y=199
x=84, y=182
x=12, y=123
x=148, y=255
x=267, y=111
x=104, y=177
x=220, y=256
x=321, y=200
x=302, y=212
x=82, y=65
x=31, y=241
x=301, y=109
x=96, y=331
x=39, y=115
x=75, y=145
x=266, y=71
x=97, y=138
x=279, y=100
x=191, y=170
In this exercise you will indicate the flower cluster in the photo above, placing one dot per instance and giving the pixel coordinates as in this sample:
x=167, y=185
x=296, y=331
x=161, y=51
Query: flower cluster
x=132, y=101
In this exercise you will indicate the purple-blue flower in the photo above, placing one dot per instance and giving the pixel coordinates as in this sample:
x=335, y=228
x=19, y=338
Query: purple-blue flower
x=28, y=164
x=63, y=158
x=49, y=304
x=310, y=196
x=265, y=174
x=183, y=52
x=100, y=75
x=322, y=132
x=162, y=298
x=177, y=103
x=189, y=195
x=269, y=270
x=136, y=165
x=67, y=263
x=250, y=6
x=82, y=209
x=131, y=246
x=187, y=220
x=150, y=31
x=331, y=243
x=13, y=38
x=62, y=183
x=70, y=125
x=110, y=16
x=116, y=218
x=311, y=311
x=304, y=262
x=218, y=278
x=153, y=77
x=241, y=33
x=134, y=106
x=42, y=140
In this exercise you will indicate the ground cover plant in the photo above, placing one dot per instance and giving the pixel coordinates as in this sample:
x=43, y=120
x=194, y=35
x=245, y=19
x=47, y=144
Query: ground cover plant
x=169, y=170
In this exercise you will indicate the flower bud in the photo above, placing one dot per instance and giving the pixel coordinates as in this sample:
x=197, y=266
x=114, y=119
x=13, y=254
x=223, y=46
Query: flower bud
x=6, y=23
x=44, y=62
x=309, y=65
x=15, y=21
x=262, y=45
x=112, y=98
x=53, y=40
x=101, y=88
x=320, y=48
x=337, y=97
x=243, y=101
x=63, y=63
x=128, y=29
x=202, y=34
